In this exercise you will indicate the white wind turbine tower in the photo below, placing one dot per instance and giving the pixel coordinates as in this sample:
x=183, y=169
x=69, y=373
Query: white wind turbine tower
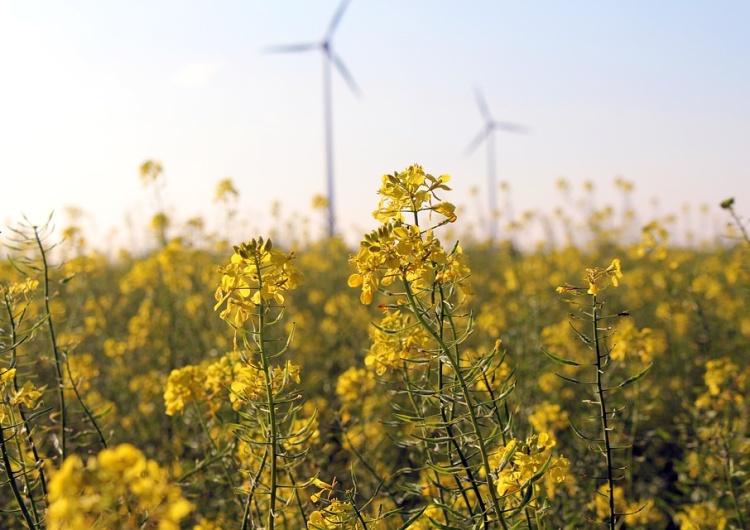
x=329, y=58
x=487, y=134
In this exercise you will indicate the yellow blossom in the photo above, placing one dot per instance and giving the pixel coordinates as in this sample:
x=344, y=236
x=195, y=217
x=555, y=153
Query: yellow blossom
x=118, y=488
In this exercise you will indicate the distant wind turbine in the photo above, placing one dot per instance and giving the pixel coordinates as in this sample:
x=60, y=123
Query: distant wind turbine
x=487, y=134
x=329, y=57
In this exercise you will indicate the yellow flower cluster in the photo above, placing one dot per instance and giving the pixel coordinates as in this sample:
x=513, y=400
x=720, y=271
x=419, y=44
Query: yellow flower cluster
x=597, y=279
x=28, y=394
x=726, y=384
x=24, y=288
x=412, y=191
x=241, y=381
x=353, y=384
x=631, y=343
x=337, y=514
x=641, y=514
x=399, y=250
x=702, y=515
x=548, y=417
x=118, y=488
x=183, y=386
x=257, y=274
x=397, y=340
x=519, y=462
x=654, y=240
x=250, y=383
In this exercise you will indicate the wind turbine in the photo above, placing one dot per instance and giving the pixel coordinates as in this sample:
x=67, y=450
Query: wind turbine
x=329, y=58
x=487, y=134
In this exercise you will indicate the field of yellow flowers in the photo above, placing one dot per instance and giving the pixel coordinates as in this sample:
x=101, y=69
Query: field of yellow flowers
x=415, y=381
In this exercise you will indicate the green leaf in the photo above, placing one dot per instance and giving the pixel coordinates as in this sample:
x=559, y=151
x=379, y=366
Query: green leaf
x=580, y=434
x=559, y=360
x=408, y=523
x=635, y=378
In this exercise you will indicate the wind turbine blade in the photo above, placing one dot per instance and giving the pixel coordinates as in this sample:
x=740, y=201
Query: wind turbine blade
x=336, y=19
x=482, y=105
x=291, y=48
x=338, y=63
x=478, y=139
x=510, y=127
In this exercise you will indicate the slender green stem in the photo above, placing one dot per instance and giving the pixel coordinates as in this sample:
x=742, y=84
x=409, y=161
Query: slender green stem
x=449, y=429
x=467, y=398
x=201, y=466
x=26, y=427
x=429, y=455
x=372, y=471
x=213, y=444
x=612, y=519
x=12, y=480
x=86, y=410
x=739, y=224
x=297, y=497
x=56, y=352
x=253, y=484
x=23, y=471
x=265, y=364
x=728, y=470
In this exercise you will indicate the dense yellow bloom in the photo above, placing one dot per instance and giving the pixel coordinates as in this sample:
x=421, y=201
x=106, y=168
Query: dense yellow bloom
x=641, y=514
x=183, y=386
x=219, y=374
x=397, y=339
x=412, y=191
x=6, y=377
x=338, y=515
x=24, y=288
x=118, y=488
x=257, y=274
x=399, y=250
x=629, y=342
x=394, y=251
x=249, y=383
x=353, y=384
x=702, y=516
x=548, y=417
x=28, y=394
x=519, y=461
x=725, y=383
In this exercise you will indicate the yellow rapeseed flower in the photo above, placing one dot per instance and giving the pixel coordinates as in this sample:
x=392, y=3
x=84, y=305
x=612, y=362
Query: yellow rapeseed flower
x=118, y=488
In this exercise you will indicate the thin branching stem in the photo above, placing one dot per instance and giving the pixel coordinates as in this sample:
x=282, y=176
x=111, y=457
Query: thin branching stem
x=26, y=427
x=600, y=369
x=729, y=473
x=212, y=442
x=86, y=410
x=12, y=480
x=55, y=350
x=270, y=401
x=469, y=404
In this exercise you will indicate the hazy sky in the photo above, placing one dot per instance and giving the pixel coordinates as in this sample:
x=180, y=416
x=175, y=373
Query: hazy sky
x=655, y=92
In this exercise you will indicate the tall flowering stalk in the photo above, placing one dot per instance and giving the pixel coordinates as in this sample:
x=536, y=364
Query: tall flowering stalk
x=251, y=296
x=596, y=340
x=451, y=401
x=19, y=407
x=728, y=205
x=38, y=422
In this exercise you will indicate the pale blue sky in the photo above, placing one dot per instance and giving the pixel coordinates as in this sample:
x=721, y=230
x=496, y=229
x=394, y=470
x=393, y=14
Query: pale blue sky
x=656, y=92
